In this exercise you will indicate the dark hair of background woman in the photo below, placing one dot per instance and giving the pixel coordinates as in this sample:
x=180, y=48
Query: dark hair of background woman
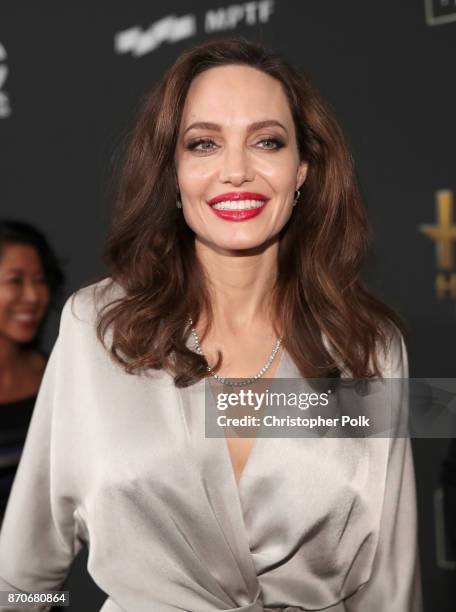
x=19, y=232
x=150, y=251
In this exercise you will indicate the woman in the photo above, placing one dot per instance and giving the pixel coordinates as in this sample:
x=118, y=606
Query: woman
x=239, y=229
x=29, y=278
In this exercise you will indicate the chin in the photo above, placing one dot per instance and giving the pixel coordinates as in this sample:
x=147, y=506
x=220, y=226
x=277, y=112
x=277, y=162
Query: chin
x=240, y=245
x=24, y=338
x=255, y=240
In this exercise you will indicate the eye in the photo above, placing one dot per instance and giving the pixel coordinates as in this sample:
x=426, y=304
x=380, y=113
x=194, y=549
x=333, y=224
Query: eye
x=15, y=280
x=200, y=145
x=274, y=143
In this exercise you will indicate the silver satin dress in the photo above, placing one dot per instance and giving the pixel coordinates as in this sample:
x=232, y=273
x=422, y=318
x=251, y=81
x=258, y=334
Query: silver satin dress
x=121, y=464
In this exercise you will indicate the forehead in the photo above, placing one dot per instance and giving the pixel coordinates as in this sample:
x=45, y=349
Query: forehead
x=235, y=95
x=19, y=256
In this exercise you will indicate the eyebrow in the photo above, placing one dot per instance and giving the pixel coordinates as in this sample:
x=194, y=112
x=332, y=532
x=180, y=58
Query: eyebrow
x=258, y=125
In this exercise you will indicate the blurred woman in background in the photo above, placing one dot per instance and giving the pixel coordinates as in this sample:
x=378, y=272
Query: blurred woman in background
x=30, y=278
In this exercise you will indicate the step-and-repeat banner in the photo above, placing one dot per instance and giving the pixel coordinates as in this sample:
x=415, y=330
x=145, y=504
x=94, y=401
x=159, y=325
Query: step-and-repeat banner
x=72, y=76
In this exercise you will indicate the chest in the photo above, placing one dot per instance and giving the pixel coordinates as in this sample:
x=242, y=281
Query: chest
x=239, y=450
x=153, y=483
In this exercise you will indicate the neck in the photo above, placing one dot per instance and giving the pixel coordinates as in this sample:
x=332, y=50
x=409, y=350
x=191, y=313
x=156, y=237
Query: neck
x=241, y=284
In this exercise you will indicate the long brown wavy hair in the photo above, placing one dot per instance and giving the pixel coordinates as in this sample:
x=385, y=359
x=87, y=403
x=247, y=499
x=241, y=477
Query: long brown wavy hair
x=150, y=251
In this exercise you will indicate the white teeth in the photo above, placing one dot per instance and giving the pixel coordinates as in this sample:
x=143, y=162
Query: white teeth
x=239, y=204
x=24, y=317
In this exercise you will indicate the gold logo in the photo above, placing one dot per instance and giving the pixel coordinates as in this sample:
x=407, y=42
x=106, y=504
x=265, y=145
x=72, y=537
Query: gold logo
x=444, y=236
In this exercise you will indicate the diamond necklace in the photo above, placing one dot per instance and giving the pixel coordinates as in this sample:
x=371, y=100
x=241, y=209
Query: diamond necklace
x=245, y=381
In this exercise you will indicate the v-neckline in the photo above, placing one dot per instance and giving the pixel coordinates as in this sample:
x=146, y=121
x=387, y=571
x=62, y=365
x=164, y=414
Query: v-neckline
x=229, y=501
x=256, y=446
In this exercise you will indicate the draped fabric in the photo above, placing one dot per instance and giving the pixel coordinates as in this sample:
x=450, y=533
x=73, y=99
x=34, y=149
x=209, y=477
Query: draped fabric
x=121, y=463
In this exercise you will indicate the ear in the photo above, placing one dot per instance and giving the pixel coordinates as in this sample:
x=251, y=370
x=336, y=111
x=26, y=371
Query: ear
x=301, y=174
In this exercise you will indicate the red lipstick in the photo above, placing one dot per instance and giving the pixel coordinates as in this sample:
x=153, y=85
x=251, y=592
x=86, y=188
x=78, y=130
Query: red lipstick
x=238, y=215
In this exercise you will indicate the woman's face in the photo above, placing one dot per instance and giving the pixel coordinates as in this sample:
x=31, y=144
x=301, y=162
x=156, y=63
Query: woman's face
x=24, y=292
x=237, y=143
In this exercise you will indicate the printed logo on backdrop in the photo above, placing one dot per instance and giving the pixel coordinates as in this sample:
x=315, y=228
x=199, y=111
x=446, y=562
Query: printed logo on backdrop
x=443, y=233
x=440, y=11
x=5, y=109
x=172, y=28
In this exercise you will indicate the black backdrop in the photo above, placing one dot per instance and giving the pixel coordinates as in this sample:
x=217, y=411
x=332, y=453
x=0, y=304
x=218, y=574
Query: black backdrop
x=71, y=79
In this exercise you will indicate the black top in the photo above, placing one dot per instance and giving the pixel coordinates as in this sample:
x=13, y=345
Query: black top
x=14, y=421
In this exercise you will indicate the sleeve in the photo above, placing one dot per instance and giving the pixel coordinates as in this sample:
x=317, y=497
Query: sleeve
x=395, y=583
x=37, y=540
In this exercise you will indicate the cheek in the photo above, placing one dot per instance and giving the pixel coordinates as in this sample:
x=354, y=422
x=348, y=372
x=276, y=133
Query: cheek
x=280, y=174
x=8, y=296
x=43, y=298
x=8, y=300
x=194, y=178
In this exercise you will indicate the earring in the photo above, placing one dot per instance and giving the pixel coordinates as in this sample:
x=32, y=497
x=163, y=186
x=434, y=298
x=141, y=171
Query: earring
x=296, y=197
x=178, y=203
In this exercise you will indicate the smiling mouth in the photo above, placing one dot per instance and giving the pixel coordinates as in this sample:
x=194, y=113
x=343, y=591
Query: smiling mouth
x=25, y=318
x=239, y=204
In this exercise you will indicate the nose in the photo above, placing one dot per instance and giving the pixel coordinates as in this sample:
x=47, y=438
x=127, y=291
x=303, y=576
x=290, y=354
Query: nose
x=236, y=167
